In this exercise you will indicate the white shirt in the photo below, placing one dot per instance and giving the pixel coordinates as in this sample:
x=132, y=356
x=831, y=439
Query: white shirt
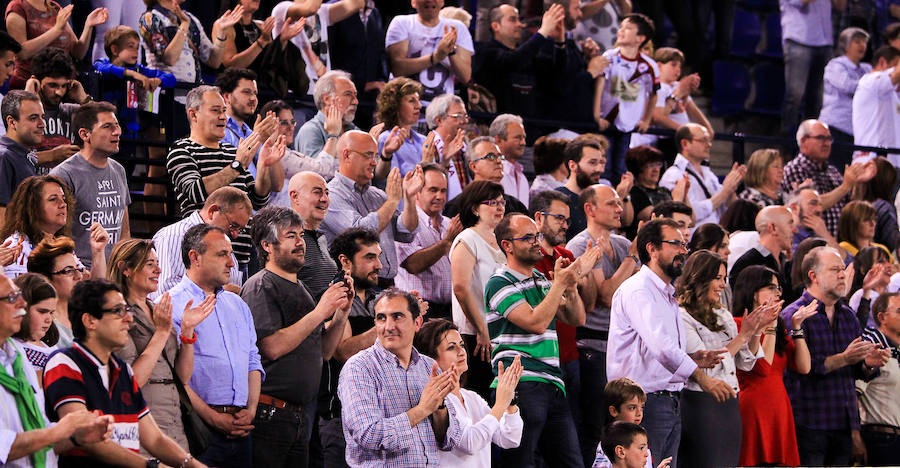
x=487, y=260
x=315, y=31
x=647, y=340
x=679, y=115
x=10, y=422
x=739, y=243
x=422, y=41
x=704, y=212
x=856, y=298
x=454, y=186
x=479, y=428
x=629, y=84
x=514, y=182
x=876, y=111
x=701, y=338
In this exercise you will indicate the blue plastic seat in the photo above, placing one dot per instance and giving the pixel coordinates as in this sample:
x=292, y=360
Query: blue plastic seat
x=768, y=86
x=746, y=34
x=731, y=88
x=773, y=37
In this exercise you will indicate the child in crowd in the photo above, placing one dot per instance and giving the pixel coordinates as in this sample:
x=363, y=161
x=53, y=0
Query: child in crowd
x=626, y=401
x=625, y=93
x=38, y=335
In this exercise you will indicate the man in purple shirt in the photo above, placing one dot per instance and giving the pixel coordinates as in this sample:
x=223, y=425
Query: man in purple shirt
x=824, y=401
x=379, y=385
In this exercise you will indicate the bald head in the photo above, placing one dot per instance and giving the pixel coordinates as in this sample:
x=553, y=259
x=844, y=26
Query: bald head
x=357, y=156
x=602, y=206
x=776, y=228
x=309, y=197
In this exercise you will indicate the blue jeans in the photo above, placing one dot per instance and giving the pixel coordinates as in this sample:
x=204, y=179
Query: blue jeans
x=228, y=453
x=548, y=429
x=804, y=70
x=593, y=409
x=824, y=448
x=882, y=449
x=282, y=436
x=615, y=156
x=662, y=420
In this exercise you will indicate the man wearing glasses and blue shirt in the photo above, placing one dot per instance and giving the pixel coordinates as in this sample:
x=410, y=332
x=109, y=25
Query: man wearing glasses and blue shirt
x=486, y=163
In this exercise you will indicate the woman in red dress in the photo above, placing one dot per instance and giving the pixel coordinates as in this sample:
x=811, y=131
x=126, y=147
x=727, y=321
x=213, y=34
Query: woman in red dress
x=769, y=437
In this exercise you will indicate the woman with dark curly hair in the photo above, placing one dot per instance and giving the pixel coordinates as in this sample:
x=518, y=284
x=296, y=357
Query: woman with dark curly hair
x=398, y=108
x=711, y=417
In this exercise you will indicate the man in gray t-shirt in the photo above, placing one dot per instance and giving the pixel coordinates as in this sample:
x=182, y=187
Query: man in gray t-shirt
x=98, y=182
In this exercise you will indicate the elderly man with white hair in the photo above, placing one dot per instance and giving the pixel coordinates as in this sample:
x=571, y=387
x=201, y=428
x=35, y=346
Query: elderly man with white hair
x=509, y=134
x=447, y=116
x=335, y=97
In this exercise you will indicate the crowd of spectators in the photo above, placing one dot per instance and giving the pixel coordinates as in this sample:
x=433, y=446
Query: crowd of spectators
x=388, y=284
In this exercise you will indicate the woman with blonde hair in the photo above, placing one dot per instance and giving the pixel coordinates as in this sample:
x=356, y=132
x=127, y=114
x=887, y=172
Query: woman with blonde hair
x=856, y=228
x=762, y=182
x=398, y=108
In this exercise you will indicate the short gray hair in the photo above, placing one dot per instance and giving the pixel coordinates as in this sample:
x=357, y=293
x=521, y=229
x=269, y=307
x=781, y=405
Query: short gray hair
x=805, y=128
x=13, y=101
x=470, y=154
x=501, y=123
x=325, y=86
x=813, y=261
x=849, y=35
x=195, y=96
x=266, y=225
x=439, y=106
x=794, y=196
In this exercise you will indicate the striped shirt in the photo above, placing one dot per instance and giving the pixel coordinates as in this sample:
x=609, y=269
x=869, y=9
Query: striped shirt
x=188, y=162
x=505, y=291
x=433, y=283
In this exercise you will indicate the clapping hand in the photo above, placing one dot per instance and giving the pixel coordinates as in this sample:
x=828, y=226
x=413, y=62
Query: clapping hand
x=96, y=17
x=9, y=251
x=273, y=150
x=708, y=358
x=413, y=182
x=290, y=29
x=247, y=148
x=437, y=388
x=192, y=316
x=507, y=380
x=99, y=238
x=803, y=313
x=162, y=315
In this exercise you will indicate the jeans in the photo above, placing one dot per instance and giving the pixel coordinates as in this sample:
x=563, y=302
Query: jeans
x=548, y=429
x=824, y=447
x=804, y=71
x=662, y=420
x=282, y=436
x=593, y=409
x=882, y=449
x=331, y=433
x=615, y=157
x=228, y=453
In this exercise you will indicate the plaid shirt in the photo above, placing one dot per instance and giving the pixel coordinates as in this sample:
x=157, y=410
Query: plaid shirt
x=433, y=283
x=825, y=400
x=375, y=393
x=825, y=177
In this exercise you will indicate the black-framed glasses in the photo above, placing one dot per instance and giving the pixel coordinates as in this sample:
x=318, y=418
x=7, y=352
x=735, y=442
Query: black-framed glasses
x=69, y=271
x=121, y=310
x=558, y=217
x=287, y=123
x=12, y=297
x=530, y=238
x=491, y=157
x=676, y=243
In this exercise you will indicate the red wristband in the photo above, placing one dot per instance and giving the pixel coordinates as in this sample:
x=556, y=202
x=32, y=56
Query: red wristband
x=187, y=340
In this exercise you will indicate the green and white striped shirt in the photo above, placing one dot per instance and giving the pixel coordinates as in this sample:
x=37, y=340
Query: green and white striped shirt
x=505, y=291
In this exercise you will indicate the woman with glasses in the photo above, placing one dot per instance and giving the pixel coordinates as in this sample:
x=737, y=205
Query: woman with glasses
x=474, y=256
x=711, y=422
x=152, y=348
x=762, y=182
x=768, y=434
x=42, y=207
x=856, y=228
x=398, y=108
x=324, y=163
x=38, y=334
x=54, y=257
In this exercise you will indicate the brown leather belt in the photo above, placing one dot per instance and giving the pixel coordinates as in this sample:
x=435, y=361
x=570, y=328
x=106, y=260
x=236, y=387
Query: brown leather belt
x=227, y=409
x=276, y=403
x=881, y=428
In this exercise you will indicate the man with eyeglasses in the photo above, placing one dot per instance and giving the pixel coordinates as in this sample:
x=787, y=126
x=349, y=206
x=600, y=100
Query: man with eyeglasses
x=486, y=163
x=509, y=135
x=238, y=88
x=356, y=203
x=447, y=115
x=90, y=377
x=776, y=228
x=709, y=198
x=227, y=208
x=522, y=310
x=824, y=400
x=814, y=140
x=647, y=340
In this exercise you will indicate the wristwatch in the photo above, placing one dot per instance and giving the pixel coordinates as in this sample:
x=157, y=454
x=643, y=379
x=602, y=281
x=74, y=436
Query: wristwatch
x=236, y=165
x=153, y=463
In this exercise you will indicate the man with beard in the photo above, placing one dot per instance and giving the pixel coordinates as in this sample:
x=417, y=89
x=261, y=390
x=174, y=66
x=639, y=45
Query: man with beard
x=292, y=337
x=647, y=341
x=586, y=160
x=425, y=261
x=90, y=377
x=309, y=198
x=238, y=88
x=806, y=207
x=603, y=209
x=522, y=307
x=25, y=130
x=824, y=400
x=486, y=163
x=334, y=94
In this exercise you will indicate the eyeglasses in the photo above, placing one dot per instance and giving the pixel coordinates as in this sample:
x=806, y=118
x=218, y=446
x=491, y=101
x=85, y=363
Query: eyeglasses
x=287, y=123
x=459, y=115
x=370, y=156
x=233, y=228
x=491, y=157
x=676, y=243
x=559, y=217
x=773, y=287
x=120, y=310
x=500, y=203
x=530, y=238
x=821, y=138
x=12, y=297
x=69, y=271
x=705, y=141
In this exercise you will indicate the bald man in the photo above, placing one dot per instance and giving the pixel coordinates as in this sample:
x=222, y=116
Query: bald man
x=776, y=228
x=308, y=193
x=356, y=203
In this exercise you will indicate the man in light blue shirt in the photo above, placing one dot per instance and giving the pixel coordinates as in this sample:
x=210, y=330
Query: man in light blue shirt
x=227, y=369
x=334, y=89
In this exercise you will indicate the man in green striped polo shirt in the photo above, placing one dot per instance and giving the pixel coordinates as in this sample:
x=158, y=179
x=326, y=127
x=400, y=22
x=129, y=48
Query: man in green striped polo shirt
x=522, y=306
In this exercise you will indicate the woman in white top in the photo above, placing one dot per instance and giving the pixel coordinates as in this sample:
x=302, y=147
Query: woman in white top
x=474, y=256
x=711, y=416
x=38, y=335
x=480, y=424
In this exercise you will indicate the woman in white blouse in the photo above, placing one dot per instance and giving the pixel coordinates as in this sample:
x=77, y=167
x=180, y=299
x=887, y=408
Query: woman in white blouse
x=711, y=425
x=480, y=424
x=474, y=256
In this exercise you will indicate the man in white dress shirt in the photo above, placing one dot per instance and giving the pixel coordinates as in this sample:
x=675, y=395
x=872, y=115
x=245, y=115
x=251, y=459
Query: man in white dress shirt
x=647, y=340
x=708, y=197
x=509, y=134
